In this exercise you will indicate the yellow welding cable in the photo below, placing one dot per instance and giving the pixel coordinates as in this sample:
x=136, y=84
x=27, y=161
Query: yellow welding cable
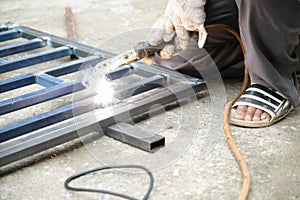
x=237, y=154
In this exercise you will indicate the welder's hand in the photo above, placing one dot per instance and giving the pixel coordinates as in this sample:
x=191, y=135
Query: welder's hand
x=180, y=17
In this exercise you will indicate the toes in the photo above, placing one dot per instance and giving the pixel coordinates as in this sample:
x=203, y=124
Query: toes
x=260, y=115
x=250, y=113
x=257, y=115
x=240, y=112
x=265, y=116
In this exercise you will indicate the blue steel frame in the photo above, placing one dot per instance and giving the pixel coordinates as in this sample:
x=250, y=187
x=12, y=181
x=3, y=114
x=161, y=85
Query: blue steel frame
x=59, y=119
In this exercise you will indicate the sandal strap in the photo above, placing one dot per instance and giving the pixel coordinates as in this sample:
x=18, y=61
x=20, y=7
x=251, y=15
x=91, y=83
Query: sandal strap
x=263, y=98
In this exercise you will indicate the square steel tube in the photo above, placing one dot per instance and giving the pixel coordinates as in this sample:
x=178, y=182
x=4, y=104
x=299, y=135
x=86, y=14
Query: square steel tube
x=135, y=136
x=70, y=67
x=140, y=86
x=9, y=34
x=21, y=47
x=35, y=59
x=47, y=80
x=120, y=72
x=81, y=50
x=17, y=82
x=30, y=78
x=39, y=96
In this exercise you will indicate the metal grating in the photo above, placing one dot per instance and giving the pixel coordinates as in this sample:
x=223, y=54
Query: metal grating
x=45, y=130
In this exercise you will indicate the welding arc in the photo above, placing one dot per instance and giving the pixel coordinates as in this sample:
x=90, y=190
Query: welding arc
x=237, y=154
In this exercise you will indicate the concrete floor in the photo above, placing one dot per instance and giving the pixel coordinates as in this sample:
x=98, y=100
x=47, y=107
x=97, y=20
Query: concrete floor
x=202, y=168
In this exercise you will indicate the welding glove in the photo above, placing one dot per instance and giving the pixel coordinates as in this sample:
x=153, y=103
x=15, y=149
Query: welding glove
x=180, y=17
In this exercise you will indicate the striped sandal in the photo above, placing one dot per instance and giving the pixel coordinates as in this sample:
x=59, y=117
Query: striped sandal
x=267, y=100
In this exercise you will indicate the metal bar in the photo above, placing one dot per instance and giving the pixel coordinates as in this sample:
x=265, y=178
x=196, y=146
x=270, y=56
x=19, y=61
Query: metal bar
x=59, y=70
x=7, y=26
x=40, y=140
x=70, y=67
x=140, y=86
x=25, y=126
x=135, y=136
x=35, y=59
x=10, y=34
x=21, y=47
x=120, y=72
x=81, y=50
x=36, y=97
x=47, y=80
x=45, y=119
x=17, y=82
x=71, y=31
x=66, y=130
x=3, y=27
x=150, y=70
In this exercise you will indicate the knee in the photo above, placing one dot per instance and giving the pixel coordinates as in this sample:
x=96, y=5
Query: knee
x=222, y=12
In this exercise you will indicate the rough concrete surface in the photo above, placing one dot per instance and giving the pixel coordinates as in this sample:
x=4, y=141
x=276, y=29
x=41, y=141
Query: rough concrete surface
x=205, y=169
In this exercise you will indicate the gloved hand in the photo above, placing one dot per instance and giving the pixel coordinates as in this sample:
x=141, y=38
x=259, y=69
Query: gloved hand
x=180, y=17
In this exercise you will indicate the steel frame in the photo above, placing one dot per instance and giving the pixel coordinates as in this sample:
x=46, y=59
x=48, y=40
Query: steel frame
x=32, y=135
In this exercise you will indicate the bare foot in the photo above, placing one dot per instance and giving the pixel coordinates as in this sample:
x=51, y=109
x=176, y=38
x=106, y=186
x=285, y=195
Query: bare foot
x=248, y=113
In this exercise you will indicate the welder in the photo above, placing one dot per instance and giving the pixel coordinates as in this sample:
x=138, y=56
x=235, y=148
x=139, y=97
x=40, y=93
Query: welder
x=270, y=32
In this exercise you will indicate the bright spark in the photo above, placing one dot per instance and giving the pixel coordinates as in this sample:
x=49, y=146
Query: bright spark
x=105, y=92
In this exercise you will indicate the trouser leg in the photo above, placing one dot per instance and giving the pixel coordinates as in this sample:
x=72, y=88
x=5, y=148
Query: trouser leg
x=222, y=46
x=270, y=31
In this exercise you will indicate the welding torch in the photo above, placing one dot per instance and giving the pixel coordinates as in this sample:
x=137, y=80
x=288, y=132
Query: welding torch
x=138, y=52
x=102, y=68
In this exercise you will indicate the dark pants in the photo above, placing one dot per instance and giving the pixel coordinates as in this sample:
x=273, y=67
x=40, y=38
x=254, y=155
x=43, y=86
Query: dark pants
x=270, y=32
